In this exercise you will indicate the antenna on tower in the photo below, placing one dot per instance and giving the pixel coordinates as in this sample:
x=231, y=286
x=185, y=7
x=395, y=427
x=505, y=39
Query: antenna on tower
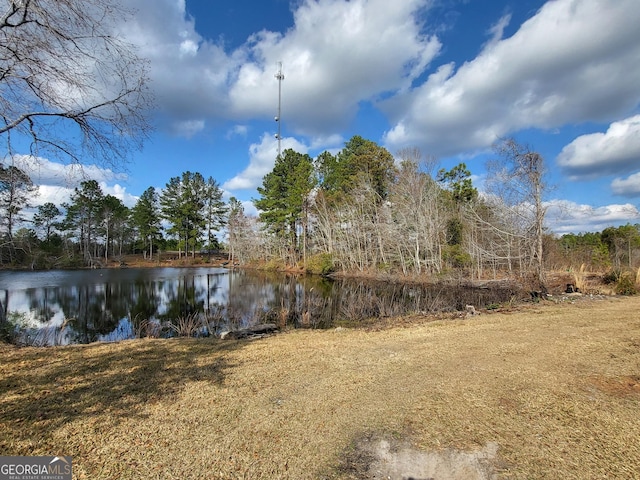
x=280, y=77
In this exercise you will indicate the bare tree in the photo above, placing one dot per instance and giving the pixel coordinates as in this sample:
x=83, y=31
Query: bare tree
x=518, y=180
x=68, y=85
x=418, y=214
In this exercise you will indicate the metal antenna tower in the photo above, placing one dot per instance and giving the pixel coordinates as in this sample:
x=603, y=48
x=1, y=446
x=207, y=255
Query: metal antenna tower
x=280, y=77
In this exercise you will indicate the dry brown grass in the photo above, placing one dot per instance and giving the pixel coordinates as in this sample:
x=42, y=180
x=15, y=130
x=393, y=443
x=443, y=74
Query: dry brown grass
x=555, y=386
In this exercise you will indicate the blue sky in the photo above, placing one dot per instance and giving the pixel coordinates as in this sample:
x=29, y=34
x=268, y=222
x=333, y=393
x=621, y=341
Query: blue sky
x=449, y=77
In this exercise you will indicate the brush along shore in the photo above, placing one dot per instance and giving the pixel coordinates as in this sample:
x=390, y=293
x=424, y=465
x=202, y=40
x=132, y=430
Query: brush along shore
x=544, y=391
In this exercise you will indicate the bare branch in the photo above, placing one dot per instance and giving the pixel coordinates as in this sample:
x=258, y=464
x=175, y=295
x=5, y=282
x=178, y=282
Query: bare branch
x=67, y=84
x=520, y=178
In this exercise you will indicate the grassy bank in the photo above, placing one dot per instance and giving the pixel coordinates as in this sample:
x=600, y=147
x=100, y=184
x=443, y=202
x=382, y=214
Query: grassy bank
x=554, y=388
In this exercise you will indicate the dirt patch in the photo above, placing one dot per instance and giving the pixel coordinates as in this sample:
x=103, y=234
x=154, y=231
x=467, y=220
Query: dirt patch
x=622, y=386
x=390, y=459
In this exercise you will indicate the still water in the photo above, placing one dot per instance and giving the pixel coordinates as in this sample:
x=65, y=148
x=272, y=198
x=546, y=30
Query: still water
x=82, y=306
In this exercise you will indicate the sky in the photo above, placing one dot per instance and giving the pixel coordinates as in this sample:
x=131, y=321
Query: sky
x=449, y=77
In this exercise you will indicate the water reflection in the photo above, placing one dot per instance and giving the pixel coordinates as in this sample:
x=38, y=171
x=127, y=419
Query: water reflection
x=63, y=307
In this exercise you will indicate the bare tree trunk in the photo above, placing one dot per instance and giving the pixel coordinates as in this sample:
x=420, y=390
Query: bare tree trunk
x=518, y=181
x=106, y=244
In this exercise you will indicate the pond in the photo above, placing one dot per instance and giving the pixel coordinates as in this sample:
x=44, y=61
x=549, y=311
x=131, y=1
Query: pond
x=81, y=306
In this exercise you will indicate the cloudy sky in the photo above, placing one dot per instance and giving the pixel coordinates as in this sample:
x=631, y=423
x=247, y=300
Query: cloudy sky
x=449, y=77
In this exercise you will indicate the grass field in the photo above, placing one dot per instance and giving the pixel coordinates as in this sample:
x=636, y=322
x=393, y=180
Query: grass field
x=542, y=391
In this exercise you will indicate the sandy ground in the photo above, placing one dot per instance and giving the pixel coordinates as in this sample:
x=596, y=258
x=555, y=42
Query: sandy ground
x=544, y=391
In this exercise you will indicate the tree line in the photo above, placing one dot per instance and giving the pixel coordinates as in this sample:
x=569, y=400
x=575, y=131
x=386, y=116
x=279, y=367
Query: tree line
x=363, y=210
x=358, y=210
x=93, y=228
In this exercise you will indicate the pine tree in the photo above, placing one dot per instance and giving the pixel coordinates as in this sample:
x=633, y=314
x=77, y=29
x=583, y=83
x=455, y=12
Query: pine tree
x=215, y=212
x=46, y=218
x=285, y=195
x=16, y=189
x=83, y=215
x=183, y=203
x=146, y=218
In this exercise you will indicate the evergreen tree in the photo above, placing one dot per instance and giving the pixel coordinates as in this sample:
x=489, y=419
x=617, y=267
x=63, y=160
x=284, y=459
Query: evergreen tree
x=193, y=208
x=183, y=204
x=458, y=183
x=114, y=222
x=285, y=195
x=215, y=211
x=46, y=218
x=622, y=242
x=171, y=208
x=360, y=162
x=460, y=192
x=146, y=218
x=235, y=226
x=84, y=215
x=16, y=189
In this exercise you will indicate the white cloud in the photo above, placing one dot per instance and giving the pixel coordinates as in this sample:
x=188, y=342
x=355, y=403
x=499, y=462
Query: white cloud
x=331, y=142
x=261, y=161
x=53, y=194
x=188, y=48
x=188, y=76
x=574, y=61
x=58, y=195
x=187, y=128
x=120, y=193
x=237, y=131
x=497, y=31
x=250, y=209
x=613, y=152
x=45, y=172
x=56, y=181
x=627, y=187
x=324, y=79
x=337, y=54
x=570, y=217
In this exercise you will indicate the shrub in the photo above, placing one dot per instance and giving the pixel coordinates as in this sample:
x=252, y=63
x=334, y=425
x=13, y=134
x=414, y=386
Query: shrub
x=456, y=257
x=612, y=276
x=146, y=328
x=14, y=326
x=189, y=326
x=383, y=267
x=626, y=285
x=274, y=265
x=320, y=264
x=7, y=332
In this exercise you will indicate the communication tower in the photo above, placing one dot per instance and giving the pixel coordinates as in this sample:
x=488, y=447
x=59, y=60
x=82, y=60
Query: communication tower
x=280, y=77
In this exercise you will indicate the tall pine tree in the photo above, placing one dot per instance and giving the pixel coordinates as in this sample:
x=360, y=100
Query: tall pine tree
x=284, y=198
x=146, y=218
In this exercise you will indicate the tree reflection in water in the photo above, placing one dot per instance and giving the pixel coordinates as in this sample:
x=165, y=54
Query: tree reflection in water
x=78, y=307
